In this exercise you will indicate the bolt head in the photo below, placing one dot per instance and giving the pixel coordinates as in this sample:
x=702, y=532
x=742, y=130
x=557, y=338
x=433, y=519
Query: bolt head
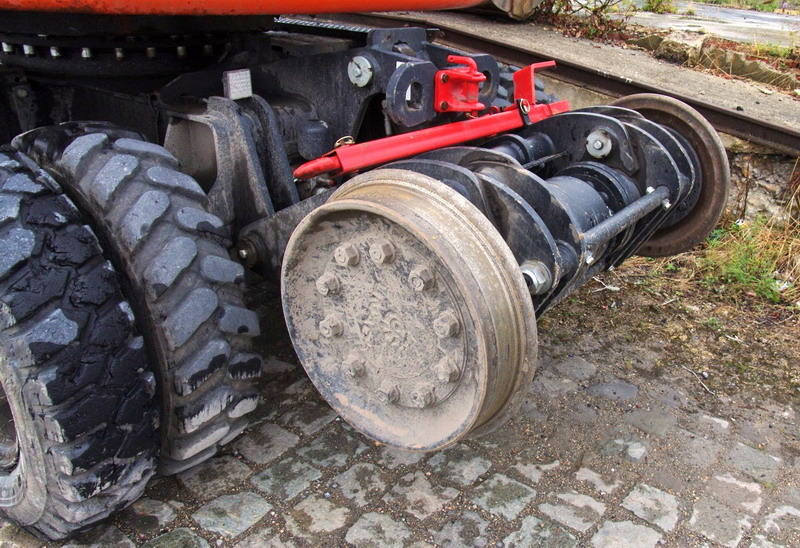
x=421, y=278
x=354, y=366
x=389, y=392
x=347, y=255
x=598, y=145
x=424, y=396
x=447, y=371
x=328, y=284
x=446, y=325
x=331, y=326
x=382, y=252
x=444, y=105
x=243, y=254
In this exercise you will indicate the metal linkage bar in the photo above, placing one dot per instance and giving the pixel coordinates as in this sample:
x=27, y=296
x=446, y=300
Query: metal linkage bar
x=605, y=231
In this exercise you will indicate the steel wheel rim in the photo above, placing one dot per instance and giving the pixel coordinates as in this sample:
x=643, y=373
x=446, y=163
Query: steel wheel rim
x=397, y=197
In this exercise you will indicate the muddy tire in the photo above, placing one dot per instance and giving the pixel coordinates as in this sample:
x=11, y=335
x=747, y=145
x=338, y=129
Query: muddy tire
x=182, y=283
x=78, y=417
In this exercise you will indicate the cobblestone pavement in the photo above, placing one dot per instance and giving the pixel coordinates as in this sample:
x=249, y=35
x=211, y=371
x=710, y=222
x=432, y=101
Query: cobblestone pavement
x=610, y=449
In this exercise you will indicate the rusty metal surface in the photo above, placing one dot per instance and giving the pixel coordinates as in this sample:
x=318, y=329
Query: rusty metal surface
x=407, y=308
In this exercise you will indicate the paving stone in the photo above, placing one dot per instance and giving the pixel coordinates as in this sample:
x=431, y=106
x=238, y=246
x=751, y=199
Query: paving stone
x=534, y=472
x=286, y=479
x=12, y=536
x=373, y=530
x=389, y=457
x=549, y=385
x=315, y=517
x=266, y=538
x=177, y=538
x=757, y=464
x=604, y=487
x=103, y=536
x=695, y=449
x=718, y=522
x=362, y=482
x=333, y=449
x=615, y=390
x=469, y=529
x=632, y=447
x=670, y=396
x=265, y=443
x=503, y=496
x=460, y=464
x=737, y=494
x=653, y=505
x=310, y=417
x=581, y=413
x=718, y=424
x=580, y=512
x=213, y=477
x=231, y=515
x=760, y=541
x=534, y=533
x=576, y=368
x=147, y=516
x=782, y=519
x=624, y=534
x=415, y=494
x=655, y=422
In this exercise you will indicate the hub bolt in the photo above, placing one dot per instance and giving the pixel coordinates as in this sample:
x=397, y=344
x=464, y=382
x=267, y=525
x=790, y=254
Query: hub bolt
x=382, y=252
x=347, y=255
x=447, y=370
x=354, y=366
x=389, y=392
x=421, y=278
x=328, y=284
x=331, y=326
x=446, y=325
x=423, y=396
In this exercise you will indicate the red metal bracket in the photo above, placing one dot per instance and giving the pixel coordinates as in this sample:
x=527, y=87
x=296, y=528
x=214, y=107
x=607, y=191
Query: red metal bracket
x=358, y=156
x=457, y=89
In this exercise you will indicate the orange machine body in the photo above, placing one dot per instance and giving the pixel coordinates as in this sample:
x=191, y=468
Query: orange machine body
x=227, y=7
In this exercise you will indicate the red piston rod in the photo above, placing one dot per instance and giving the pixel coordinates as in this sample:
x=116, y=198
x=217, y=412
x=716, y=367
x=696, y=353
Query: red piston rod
x=355, y=157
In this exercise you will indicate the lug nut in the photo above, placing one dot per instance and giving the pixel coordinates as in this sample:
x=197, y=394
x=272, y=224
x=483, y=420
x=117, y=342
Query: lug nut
x=354, y=366
x=346, y=255
x=382, y=252
x=332, y=326
x=421, y=278
x=424, y=396
x=389, y=392
x=328, y=284
x=447, y=370
x=446, y=325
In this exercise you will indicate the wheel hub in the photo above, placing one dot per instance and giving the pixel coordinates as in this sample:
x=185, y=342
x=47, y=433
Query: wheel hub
x=411, y=318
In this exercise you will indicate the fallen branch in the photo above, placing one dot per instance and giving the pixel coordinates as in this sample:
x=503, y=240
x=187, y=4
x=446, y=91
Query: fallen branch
x=699, y=380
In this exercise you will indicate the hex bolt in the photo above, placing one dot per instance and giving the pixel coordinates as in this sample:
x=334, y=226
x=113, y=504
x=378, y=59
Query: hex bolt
x=598, y=144
x=389, y=392
x=331, y=326
x=8, y=48
x=421, y=278
x=444, y=105
x=359, y=71
x=86, y=53
x=328, y=284
x=354, y=366
x=55, y=52
x=119, y=54
x=181, y=51
x=382, y=252
x=447, y=370
x=537, y=276
x=347, y=255
x=28, y=50
x=666, y=204
x=424, y=396
x=21, y=92
x=446, y=325
x=150, y=52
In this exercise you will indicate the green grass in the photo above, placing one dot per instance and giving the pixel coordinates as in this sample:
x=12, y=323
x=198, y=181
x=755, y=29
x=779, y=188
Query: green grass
x=759, y=5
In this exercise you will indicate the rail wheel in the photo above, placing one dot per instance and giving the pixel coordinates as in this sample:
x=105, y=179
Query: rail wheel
x=694, y=220
x=184, y=289
x=78, y=416
x=408, y=311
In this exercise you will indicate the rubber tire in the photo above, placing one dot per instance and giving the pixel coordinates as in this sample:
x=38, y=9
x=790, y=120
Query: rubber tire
x=72, y=365
x=179, y=276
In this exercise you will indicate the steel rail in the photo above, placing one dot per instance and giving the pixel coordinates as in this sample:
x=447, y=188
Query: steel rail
x=783, y=139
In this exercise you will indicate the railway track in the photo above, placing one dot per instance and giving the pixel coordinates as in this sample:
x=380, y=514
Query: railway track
x=782, y=138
